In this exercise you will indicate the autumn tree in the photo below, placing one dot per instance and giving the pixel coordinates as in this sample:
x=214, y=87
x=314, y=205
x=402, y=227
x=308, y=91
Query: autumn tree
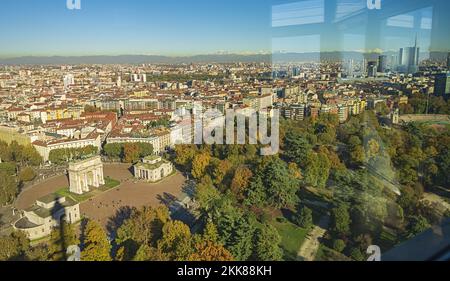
x=210, y=251
x=295, y=170
x=131, y=152
x=184, y=154
x=27, y=174
x=199, y=164
x=219, y=168
x=13, y=247
x=210, y=232
x=60, y=239
x=8, y=188
x=176, y=241
x=96, y=244
x=143, y=227
x=241, y=181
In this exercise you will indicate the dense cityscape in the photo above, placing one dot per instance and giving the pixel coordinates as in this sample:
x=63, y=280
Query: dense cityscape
x=104, y=162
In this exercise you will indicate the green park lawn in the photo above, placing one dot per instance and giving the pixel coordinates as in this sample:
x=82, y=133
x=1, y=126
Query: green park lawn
x=326, y=254
x=292, y=237
x=109, y=184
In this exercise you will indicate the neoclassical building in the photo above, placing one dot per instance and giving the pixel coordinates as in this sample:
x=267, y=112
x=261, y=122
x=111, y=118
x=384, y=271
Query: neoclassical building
x=85, y=174
x=47, y=213
x=153, y=168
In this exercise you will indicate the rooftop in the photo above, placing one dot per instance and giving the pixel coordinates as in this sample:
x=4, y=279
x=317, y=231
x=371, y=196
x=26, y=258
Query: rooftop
x=149, y=166
x=45, y=213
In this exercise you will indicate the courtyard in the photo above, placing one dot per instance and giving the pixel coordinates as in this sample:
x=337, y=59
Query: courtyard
x=105, y=205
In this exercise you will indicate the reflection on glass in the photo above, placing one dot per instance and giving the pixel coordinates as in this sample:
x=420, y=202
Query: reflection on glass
x=406, y=21
x=298, y=13
x=347, y=8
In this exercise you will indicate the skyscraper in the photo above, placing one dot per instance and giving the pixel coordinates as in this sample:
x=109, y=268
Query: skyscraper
x=442, y=85
x=372, y=69
x=448, y=61
x=349, y=67
x=382, y=64
x=409, y=59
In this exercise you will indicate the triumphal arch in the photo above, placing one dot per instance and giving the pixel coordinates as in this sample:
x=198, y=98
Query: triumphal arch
x=85, y=174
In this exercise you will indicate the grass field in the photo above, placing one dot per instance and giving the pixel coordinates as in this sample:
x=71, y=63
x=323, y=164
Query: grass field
x=292, y=238
x=326, y=254
x=109, y=184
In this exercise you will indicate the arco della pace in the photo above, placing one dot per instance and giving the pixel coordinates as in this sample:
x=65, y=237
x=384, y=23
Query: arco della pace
x=85, y=174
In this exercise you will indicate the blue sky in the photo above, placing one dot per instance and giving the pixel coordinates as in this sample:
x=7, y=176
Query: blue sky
x=189, y=27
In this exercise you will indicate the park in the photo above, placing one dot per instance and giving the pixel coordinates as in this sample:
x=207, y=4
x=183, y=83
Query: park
x=102, y=205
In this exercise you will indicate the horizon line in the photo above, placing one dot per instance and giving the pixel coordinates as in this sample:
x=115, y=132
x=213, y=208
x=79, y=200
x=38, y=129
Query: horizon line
x=213, y=54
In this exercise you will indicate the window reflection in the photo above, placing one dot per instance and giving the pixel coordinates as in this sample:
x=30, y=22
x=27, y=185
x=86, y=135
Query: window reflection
x=298, y=13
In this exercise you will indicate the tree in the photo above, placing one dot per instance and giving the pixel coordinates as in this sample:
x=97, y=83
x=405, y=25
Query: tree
x=60, y=239
x=113, y=150
x=27, y=174
x=357, y=155
x=143, y=227
x=267, y=246
x=63, y=155
x=37, y=253
x=31, y=156
x=295, y=170
x=339, y=245
x=210, y=251
x=297, y=148
x=274, y=185
x=417, y=225
x=219, y=169
x=131, y=152
x=240, y=242
x=8, y=188
x=145, y=149
x=184, y=155
x=312, y=169
x=340, y=219
x=14, y=247
x=236, y=229
x=356, y=254
x=324, y=167
x=176, y=241
x=96, y=244
x=148, y=253
x=9, y=168
x=210, y=233
x=199, y=164
x=206, y=194
x=241, y=181
x=304, y=217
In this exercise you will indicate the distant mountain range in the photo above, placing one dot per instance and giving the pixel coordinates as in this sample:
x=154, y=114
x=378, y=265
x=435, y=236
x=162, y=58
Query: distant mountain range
x=213, y=58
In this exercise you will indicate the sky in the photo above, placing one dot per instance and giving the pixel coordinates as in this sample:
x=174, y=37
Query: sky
x=190, y=27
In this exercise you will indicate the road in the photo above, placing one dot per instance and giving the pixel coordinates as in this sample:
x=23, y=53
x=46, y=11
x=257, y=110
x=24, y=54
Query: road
x=309, y=248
